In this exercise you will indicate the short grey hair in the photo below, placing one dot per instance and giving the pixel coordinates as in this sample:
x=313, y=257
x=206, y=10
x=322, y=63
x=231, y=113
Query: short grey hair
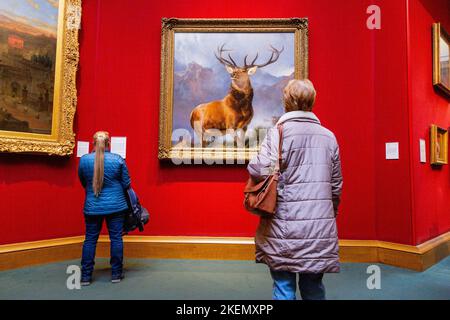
x=299, y=95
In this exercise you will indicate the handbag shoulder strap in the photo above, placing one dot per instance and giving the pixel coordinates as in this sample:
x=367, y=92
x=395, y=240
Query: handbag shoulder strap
x=280, y=148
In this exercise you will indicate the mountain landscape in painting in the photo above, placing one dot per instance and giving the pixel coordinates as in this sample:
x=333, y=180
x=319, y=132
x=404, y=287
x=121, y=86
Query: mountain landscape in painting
x=205, y=65
x=194, y=84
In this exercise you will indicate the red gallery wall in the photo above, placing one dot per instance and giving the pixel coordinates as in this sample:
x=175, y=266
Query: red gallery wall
x=431, y=185
x=362, y=83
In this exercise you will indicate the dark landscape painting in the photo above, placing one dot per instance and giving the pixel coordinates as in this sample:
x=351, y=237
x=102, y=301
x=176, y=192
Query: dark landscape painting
x=28, y=36
x=205, y=64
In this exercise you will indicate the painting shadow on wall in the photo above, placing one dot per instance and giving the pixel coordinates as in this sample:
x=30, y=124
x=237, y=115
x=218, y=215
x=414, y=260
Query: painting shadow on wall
x=18, y=160
x=200, y=173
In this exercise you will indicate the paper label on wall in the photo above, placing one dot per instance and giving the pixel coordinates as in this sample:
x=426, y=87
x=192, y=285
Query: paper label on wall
x=82, y=148
x=392, y=151
x=119, y=146
x=423, y=153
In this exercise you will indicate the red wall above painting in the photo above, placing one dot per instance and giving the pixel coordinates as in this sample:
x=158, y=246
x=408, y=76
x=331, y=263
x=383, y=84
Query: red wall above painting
x=371, y=86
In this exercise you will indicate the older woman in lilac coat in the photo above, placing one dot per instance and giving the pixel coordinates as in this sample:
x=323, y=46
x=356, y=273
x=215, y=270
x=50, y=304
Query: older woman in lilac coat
x=302, y=236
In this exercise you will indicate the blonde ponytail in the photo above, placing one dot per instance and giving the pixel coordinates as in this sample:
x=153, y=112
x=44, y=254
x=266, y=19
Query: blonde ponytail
x=101, y=142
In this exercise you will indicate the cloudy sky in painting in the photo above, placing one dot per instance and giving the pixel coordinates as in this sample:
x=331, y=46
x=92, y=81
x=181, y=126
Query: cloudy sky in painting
x=42, y=14
x=200, y=48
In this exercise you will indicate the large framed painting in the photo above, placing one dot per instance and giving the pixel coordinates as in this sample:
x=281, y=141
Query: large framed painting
x=222, y=82
x=441, y=65
x=38, y=64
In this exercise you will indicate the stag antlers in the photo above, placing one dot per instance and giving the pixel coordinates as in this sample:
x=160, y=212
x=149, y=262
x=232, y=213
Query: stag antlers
x=231, y=63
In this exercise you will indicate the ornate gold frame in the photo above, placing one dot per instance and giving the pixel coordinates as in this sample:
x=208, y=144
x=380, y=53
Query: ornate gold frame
x=298, y=26
x=438, y=31
x=62, y=139
x=438, y=139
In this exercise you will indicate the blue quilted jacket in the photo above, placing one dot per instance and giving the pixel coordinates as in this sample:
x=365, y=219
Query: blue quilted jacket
x=116, y=180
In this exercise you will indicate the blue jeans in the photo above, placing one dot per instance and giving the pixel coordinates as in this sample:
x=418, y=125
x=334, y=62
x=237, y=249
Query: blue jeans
x=309, y=284
x=94, y=224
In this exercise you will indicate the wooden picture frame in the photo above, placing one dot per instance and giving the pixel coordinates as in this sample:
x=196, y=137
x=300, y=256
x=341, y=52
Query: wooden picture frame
x=173, y=27
x=38, y=67
x=441, y=65
x=438, y=145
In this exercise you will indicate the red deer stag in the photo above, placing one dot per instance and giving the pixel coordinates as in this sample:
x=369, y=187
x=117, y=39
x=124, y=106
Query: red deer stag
x=235, y=110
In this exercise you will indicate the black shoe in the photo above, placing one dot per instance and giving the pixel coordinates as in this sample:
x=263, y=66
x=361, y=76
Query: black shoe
x=117, y=279
x=85, y=281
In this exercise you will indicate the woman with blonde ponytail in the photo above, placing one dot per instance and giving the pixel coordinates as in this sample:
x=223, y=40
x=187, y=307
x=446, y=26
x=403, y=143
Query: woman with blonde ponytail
x=104, y=176
x=100, y=140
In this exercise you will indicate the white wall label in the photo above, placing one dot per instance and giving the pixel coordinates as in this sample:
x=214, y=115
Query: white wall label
x=423, y=153
x=392, y=151
x=119, y=146
x=82, y=148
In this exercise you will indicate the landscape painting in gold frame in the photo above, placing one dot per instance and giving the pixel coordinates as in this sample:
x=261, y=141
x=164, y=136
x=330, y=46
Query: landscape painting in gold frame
x=439, y=145
x=221, y=84
x=441, y=65
x=38, y=64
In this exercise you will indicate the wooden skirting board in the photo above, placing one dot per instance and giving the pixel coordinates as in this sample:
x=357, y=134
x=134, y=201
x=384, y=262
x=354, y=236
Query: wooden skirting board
x=24, y=254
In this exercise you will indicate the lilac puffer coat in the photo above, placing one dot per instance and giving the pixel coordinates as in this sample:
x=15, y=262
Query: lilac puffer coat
x=302, y=236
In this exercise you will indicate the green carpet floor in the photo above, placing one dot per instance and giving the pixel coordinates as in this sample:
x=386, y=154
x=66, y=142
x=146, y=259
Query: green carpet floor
x=200, y=279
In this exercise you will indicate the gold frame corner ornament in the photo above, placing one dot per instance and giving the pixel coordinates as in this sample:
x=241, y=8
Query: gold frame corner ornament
x=297, y=26
x=439, y=32
x=61, y=141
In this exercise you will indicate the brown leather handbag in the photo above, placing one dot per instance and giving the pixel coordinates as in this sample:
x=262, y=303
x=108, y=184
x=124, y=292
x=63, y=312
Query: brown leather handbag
x=261, y=197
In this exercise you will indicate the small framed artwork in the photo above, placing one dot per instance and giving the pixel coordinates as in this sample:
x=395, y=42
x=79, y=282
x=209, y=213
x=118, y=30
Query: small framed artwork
x=439, y=145
x=222, y=81
x=441, y=67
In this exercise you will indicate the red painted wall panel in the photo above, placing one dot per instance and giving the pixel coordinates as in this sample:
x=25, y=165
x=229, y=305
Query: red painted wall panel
x=431, y=185
x=361, y=80
x=392, y=177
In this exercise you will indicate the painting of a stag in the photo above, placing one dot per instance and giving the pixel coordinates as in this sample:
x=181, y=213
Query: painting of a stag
x=235, y=110
x=230, y=81
x=222, y=84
